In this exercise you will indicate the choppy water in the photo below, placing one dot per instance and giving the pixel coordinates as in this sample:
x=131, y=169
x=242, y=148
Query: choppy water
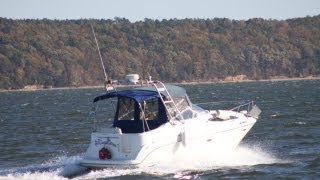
x=44, y=134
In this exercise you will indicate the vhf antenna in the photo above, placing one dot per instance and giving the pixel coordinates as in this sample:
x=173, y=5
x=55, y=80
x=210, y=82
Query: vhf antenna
x=104, y=69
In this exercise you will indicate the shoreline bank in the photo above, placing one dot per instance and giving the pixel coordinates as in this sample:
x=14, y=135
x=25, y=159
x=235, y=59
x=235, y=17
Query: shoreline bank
x=186, y=83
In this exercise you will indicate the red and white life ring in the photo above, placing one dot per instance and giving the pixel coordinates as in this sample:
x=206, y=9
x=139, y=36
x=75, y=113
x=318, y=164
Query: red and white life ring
x=104, y=153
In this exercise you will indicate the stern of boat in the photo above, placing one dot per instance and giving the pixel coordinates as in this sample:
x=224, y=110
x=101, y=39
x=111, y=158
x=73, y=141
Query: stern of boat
x=110, y=147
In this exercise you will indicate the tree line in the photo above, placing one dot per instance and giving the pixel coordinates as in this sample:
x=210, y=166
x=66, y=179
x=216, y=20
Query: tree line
x=63, y=52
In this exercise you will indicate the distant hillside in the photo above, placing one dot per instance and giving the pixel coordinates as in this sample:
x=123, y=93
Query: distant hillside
x=63, y=53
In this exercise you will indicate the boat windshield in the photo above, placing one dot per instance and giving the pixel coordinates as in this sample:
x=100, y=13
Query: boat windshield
x=191, y=112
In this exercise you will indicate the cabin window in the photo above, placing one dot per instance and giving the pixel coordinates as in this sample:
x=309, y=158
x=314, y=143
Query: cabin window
x=126, y=109
x=149, y=110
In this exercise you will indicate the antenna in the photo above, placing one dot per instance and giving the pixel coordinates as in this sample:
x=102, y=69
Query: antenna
x=104, y=69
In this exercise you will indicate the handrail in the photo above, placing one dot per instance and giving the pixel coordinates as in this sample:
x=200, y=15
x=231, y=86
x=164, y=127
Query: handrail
x=242, y=103
x=249, y=104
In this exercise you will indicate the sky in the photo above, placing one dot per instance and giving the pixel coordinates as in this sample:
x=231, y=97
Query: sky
x=137, y=10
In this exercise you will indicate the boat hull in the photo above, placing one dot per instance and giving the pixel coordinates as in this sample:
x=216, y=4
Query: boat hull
x=168, y=141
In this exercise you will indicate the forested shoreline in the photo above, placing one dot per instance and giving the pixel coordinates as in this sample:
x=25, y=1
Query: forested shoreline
x=60, y=53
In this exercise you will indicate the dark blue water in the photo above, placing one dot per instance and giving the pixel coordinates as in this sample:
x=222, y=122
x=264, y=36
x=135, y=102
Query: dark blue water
x=44, y=134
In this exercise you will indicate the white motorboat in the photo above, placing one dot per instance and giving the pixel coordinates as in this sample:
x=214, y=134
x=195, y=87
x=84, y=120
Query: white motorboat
x=156, y=122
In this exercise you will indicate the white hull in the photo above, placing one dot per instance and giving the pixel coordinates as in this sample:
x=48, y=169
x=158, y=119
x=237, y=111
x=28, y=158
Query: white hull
x=168, y=140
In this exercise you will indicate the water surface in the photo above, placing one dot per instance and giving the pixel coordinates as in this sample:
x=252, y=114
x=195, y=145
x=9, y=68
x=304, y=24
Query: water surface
x=44, y=134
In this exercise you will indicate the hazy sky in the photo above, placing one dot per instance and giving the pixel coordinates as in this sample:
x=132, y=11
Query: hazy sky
x=136, y=10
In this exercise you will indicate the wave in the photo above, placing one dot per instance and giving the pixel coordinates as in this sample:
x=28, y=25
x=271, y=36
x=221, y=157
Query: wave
x=189, y=164
x=61, y=167
x=287, y=116
x=182, y=166
x=302, y=123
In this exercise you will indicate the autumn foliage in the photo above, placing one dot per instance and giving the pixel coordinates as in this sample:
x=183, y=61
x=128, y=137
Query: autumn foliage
x=63, y=52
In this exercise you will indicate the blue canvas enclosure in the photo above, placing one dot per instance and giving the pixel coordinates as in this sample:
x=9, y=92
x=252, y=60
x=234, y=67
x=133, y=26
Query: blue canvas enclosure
x=141, y=109
x=128, y=116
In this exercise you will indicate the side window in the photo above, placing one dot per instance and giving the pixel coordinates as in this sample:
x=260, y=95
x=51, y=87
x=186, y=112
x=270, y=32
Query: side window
x=150, y=110
x=126, y=109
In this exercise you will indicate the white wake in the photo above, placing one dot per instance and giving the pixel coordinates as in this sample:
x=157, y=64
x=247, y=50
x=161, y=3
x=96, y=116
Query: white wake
x=64, y=167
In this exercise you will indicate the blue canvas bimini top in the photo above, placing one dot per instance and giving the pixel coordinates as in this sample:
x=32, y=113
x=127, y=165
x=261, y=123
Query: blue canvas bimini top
x=137, y=94
x=143, y=93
